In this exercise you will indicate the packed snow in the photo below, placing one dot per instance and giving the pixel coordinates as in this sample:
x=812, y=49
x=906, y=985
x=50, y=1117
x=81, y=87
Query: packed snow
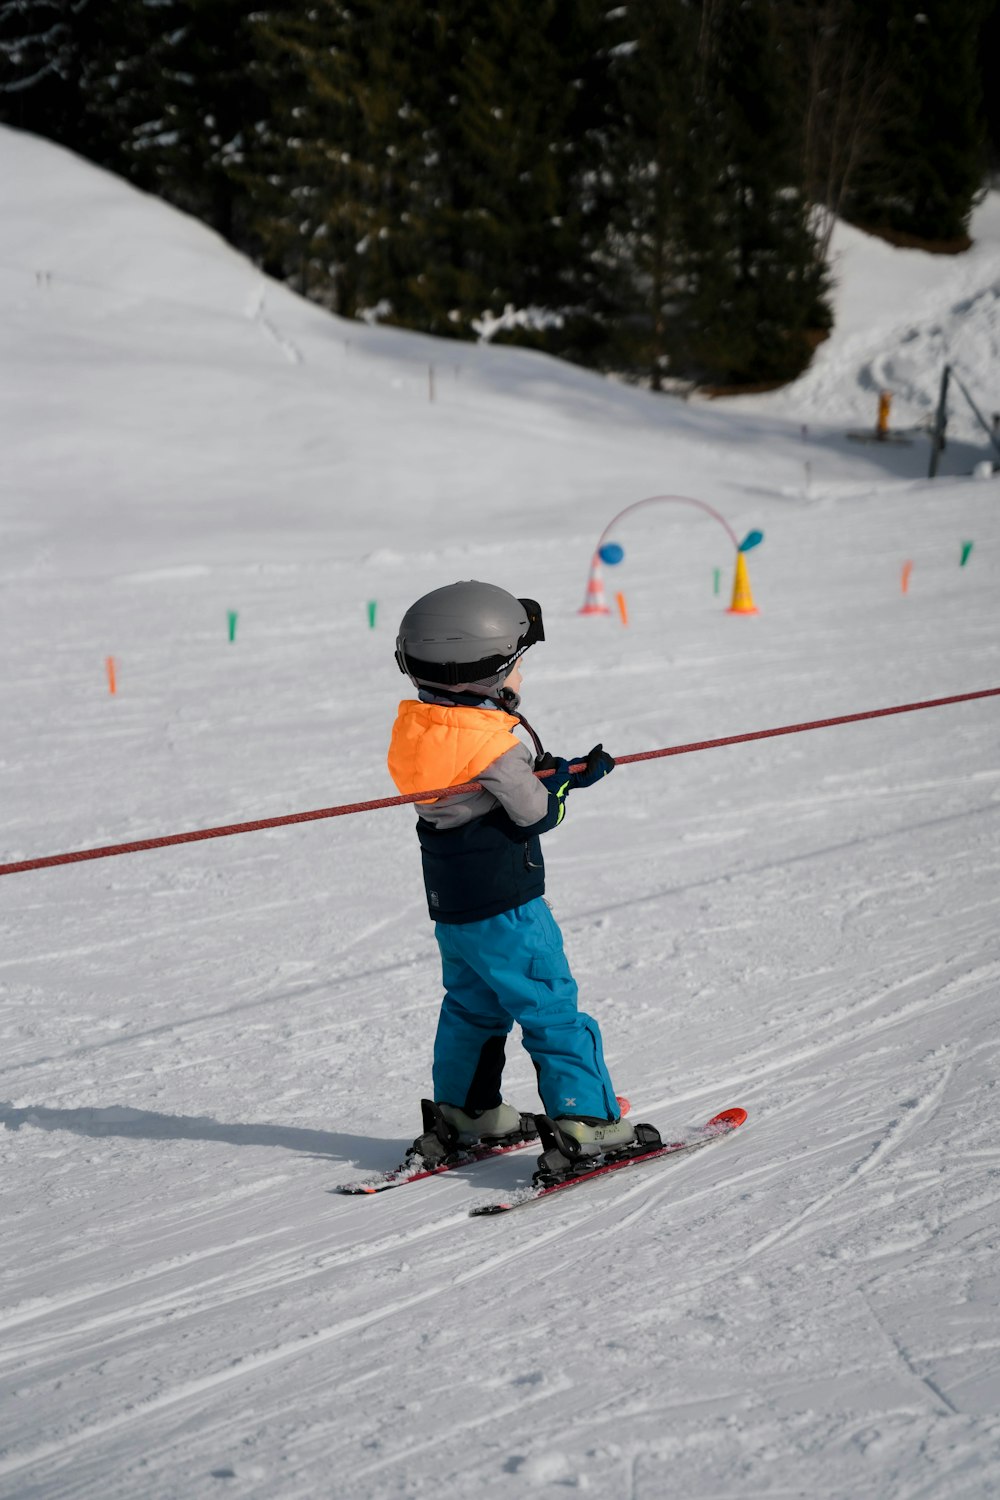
x=197, y=1044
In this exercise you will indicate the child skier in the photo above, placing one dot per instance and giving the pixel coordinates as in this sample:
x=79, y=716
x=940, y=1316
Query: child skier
x=501, y=950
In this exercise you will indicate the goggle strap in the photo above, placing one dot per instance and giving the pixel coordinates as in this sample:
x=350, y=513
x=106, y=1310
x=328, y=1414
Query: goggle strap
x=450, y=673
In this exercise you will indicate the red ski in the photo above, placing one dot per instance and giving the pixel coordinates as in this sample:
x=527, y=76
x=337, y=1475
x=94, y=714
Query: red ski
x=722, y=1124
x=417, y=1171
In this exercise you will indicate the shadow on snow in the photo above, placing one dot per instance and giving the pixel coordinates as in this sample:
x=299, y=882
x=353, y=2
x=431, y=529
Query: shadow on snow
x=142, y=1124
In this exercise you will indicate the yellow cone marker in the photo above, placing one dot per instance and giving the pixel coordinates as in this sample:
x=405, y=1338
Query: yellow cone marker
x=742, y=601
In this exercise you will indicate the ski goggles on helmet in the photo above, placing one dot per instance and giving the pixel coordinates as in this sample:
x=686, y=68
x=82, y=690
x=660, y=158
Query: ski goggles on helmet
x=535, y=631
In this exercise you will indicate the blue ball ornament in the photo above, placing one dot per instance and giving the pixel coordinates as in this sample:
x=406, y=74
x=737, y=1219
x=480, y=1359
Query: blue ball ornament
x=611, y=554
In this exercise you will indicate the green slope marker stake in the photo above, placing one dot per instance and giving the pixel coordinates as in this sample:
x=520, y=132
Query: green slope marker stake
x=966, y=549
x=717, y=578
x=372, y=606
x=233, y=617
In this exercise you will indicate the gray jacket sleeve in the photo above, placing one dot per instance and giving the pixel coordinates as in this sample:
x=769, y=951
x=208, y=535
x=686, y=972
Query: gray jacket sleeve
x=512, y=781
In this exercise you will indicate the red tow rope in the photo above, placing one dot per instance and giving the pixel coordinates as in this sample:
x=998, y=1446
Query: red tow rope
x=192, y=837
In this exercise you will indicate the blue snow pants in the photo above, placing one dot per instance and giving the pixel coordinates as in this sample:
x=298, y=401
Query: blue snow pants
x=512, y=968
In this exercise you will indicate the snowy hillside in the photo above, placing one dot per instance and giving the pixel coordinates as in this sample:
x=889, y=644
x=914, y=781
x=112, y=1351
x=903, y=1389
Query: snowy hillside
x=197, y=1044
x=901, y=315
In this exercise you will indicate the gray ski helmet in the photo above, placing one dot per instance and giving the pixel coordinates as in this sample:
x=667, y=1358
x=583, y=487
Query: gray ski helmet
x=466, y=633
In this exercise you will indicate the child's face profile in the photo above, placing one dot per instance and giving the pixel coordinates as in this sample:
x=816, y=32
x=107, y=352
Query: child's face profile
x=513, y=678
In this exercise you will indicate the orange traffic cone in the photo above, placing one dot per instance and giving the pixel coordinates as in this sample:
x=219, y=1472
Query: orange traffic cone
x=742, y=602
x=594, y=602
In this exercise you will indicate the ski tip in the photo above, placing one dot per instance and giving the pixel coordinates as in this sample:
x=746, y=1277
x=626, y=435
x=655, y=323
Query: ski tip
x=727, y=1119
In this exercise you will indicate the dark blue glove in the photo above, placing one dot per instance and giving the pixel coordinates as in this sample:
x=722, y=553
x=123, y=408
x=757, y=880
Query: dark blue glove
x=557, y=785
x=560, y=781
x=598, y=763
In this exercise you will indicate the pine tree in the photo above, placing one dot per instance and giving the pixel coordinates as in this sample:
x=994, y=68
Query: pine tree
x=650, y=72
x=346, y=151
x=54, y=54
x=752, y=301
x=187, y=104
x=922, y=180
x=164, y=94
x=39, y=69
x=508, y=216
x=435, y=160
x=840, y=86
x=989, y=51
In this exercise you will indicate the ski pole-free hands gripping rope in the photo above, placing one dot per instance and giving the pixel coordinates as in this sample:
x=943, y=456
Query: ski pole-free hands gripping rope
x=163, y=842
x=596, y=764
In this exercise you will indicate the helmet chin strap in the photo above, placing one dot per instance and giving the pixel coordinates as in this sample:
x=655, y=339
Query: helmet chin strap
x=505, y=695
x=539, y=748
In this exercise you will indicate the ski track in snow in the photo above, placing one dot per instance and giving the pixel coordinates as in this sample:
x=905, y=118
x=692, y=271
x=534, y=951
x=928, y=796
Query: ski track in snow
x=897, y=1130
x=197, y=1044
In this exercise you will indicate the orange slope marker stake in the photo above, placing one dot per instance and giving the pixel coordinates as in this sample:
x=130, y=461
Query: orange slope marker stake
x=622, y=607
x=742, y=601
x=109, y=663
x=884, y=408
x=905, y=580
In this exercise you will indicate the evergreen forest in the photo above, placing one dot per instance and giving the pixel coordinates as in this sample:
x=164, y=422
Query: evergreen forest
x=647, y=188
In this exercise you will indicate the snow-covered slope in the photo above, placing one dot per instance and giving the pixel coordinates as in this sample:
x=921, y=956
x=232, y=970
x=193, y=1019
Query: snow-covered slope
x=197, y=1044
x=901, y=316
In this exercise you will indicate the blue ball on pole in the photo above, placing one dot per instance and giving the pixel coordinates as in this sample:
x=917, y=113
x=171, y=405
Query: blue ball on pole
x=611, y=554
